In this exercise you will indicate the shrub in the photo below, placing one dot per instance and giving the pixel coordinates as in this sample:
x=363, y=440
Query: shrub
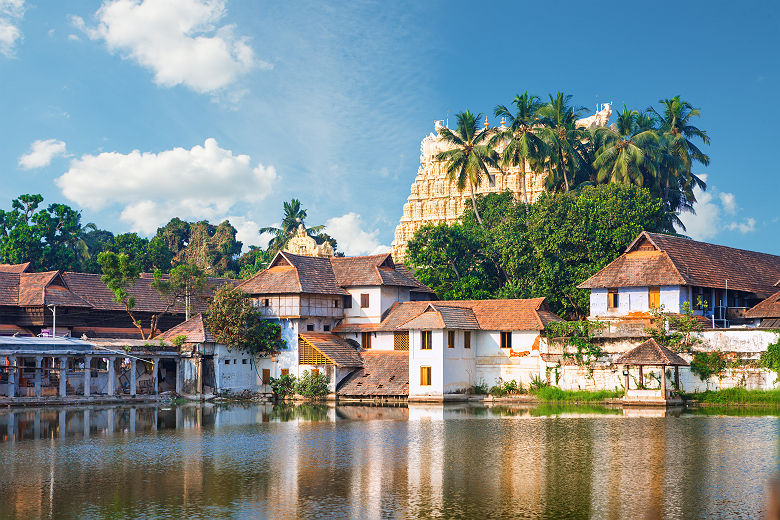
x=283, y=386
x=537, y=384
x=480, y=388
x=312, y=385
x=179, y=340
x=706, y=364
x=771, y=358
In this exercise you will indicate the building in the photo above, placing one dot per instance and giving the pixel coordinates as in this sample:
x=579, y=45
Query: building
x=719, y=283
x=434, y=199
x=766, y=314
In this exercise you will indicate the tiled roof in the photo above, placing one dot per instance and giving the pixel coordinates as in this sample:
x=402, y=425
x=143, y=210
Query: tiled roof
x=657, y=259
x=357, y=327
x=46, y=289
x=14, y=268
x=438, y=316
x=506, y=315
x=194, y=329
x=290, y=273
x=9, y=288
x=769, y=308
x=334, y=347
x=385, y=373
x=650, y=353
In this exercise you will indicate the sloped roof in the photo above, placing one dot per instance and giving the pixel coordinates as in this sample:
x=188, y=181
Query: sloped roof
x=373, y=270
x=9, y=288
x=194, y=329
x=769, y=308
x=47, y=288
x=440, y=316
x=650, y=353
x=15, y=268
x=290, y=273
x=658, y=259
x=385, y=373
x=334, y=347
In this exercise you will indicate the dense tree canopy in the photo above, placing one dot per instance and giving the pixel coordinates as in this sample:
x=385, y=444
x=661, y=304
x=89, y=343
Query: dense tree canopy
x=237, y=324
x=544, y=249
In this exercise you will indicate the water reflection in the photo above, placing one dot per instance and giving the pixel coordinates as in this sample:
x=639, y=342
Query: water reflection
x=461, y=460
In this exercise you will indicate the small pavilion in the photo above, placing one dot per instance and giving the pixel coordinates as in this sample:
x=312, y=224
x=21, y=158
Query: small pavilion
x=650, y=353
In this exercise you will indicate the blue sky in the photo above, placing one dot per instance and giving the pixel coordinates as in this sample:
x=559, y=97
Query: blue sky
x=134, y=112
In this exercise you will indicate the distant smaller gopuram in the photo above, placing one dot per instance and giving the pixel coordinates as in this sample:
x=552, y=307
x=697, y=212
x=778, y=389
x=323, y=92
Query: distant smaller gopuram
x=434, y=199
x=302, y=244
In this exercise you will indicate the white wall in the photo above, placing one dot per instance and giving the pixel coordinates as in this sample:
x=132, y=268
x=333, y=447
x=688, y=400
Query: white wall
x=371, y=314
x=432, y=358
x=391, y=295
x=636, y=299
x=459, y=364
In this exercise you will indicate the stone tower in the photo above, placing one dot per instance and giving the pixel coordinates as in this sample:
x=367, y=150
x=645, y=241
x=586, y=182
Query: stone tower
x=434, y=199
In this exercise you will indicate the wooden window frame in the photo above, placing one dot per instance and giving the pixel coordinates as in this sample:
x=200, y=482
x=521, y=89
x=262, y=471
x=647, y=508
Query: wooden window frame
x=365, y=340
x=266, y=376
x=450, y=339
x=365, y=300
x=266, y=302
x=285, y=372
x=348, y=301
x=401, y=340
x=653, y=291
x=336, y=303
x=466, y=339
x=426, y=375
x=610, y=303
x=426, y=340
x=506, y=340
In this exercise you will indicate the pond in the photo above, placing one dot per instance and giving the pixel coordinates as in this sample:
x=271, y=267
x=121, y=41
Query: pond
x=415, y=461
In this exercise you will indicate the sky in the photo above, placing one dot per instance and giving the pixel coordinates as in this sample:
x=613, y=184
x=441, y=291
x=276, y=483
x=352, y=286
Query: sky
x=136, y=111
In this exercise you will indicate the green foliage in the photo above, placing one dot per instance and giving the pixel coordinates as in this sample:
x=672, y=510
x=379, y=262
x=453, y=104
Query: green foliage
x=185, y=283
x=179, y=340
x=312, y=385
x=771, y=358
x=537, y=384
x=293, y=216
x=678, y=332
x=283, y=386
x=253, y=261
x=480, y=388
x=553, y=393
x=545, y=249
x=213, y=248
x=580, y=336
x=503, y=388
x=738, y=396
x=236, y=323
x=707, y=364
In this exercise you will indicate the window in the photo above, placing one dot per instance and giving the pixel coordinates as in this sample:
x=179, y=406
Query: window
x=467, y=339
x=401, y=340
x=612, y=299
x=243, y=361
x=348, y=301
x=506, y=340
x=266, y=302
x=309, y=327
x=266, y=376
x=335, y=304
x=491, y=180
x=425, y=376
x=365, y=339
x=426, y=340
x=654, y=297
x=364, y=301
x=450, y=339
x=235, y=361
x=285, y=371
x=227, y=361
x=326, y=328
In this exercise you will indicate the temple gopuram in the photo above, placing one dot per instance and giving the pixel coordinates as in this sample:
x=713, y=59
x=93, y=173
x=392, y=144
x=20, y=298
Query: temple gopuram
x=434, y=199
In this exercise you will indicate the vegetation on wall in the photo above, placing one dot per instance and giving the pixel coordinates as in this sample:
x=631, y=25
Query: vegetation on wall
x=236, y=323
x=579, y=335
x=679, y=332
x=708, y=364
x=771, y=358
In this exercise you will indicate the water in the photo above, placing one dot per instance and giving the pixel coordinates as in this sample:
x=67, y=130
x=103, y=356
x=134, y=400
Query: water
x=420, y=461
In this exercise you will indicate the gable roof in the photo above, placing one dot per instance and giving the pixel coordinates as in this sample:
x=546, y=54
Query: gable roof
x=384, y=373
x=655, y=259
x=289, y=273
x=194, y=329
x=442, y=316
x=333, y=347
x=768, y=308
x=650, y=353
x=15, y=268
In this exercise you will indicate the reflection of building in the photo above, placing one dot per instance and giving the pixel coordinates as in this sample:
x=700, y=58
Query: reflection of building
x=434, y=199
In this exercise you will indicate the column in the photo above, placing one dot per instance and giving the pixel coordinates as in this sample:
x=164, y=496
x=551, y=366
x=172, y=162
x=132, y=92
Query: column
x=111, y=371
x=677, y=378
x=178, y=376
x=63, y=376
x=199, y=374
x=218, y=374
x=641, y=377
x=663, y=381
x=38, y=374
x=156, y=379
x=87, y=379
x=12, y=377
x=132, y=380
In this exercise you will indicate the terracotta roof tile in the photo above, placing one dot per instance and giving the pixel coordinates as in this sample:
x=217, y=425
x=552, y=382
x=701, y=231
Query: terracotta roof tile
x=334, y=347
x=441, y=316
x=769, y=308
x=385, y=373
x=9, y=288
x=289, y=273
x=15, y=268
x=194, y=329
x=650, y=353
x=681, y=261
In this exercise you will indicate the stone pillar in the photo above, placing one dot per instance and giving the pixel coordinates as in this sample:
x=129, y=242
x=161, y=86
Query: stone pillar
x=179, y=376
x=677, y=378
x=641, y=377
x=38, y=373
x=63, y=376
x=87, y=378
x=155, y=378
x=218, y=374
x=12, y=377
x=199, y=374
x=132, y=381
x=111, y=372
x=663, y=381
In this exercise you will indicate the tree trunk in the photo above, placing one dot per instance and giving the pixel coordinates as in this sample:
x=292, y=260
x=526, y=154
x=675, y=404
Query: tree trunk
x=474, y=204
x=565, y=178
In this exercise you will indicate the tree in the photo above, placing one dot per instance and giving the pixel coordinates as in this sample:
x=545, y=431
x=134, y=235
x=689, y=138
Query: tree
x=626, y=153
x=566, y=143
x=469, y=155
x=119, y=275
x=293, y=216
x=236, y=323
x=524, y=146
x=211, y=247
x=185, y=283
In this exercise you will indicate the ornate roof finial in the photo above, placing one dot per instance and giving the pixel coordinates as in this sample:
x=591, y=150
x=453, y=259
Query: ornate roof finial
x=486, y=122
x=503, y=122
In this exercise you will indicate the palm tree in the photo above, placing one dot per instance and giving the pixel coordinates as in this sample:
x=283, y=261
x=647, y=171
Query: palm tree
x=566, y=143
x=676, y=120
x=294, y=216
x=469, y=155
x=627, y=153
x=524, y=146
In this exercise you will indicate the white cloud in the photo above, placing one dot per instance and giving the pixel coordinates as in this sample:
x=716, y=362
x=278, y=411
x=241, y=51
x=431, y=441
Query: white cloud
x=180, y=41
x=247, y=232
x=714, y=213
x=150, y=188
x=41, y=153
x=11, y=13
x=352, y=238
